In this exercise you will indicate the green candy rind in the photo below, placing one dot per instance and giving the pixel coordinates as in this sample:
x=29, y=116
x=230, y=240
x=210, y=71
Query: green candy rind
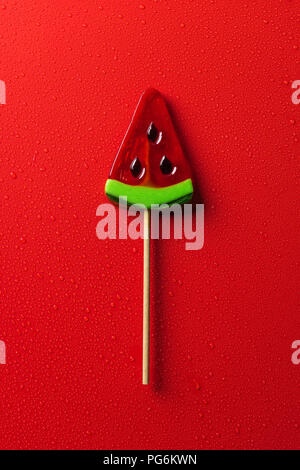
x=176, y=193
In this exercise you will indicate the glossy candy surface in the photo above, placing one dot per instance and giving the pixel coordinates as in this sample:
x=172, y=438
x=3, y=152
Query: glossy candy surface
x=150, y=167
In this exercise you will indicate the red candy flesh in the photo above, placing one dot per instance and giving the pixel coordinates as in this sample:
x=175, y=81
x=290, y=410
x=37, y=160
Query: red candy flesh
x=151, y=109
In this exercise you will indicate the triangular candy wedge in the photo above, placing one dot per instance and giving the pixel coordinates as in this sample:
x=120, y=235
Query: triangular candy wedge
x=150, y=167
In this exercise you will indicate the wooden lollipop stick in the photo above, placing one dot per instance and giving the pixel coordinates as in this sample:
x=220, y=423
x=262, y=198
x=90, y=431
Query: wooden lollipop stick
x=146, y=297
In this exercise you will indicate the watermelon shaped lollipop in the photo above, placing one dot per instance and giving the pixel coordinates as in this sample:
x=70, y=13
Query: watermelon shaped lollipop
x=150, y=168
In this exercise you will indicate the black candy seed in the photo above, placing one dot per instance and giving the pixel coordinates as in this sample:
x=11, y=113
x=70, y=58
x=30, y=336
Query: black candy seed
x=135, y=167
x=166, y=166
x=152, y=132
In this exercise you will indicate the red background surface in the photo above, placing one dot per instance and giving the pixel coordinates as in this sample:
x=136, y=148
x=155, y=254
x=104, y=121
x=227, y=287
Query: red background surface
x=223, y=318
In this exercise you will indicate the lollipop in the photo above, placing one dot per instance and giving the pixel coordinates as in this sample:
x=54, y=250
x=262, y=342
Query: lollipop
x=150, y=168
